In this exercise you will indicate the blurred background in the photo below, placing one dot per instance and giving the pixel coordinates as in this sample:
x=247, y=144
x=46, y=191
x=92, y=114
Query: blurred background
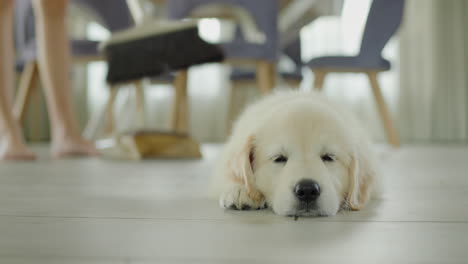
x=425, y=89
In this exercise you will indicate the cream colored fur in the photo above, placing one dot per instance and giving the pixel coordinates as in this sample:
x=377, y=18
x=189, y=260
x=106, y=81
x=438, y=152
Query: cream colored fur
x=304, y=127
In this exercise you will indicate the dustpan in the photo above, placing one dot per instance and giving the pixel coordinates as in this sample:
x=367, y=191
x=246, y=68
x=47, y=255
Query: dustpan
x=149, y=145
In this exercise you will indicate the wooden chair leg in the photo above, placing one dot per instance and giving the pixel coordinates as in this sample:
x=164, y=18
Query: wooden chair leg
x=95, y=121
x=28, y=82
x=319, y=79
x=294, y=84
x=179, y=122
x=140, y=103
x=109, y=127
x=392, y=134
x=265, y=76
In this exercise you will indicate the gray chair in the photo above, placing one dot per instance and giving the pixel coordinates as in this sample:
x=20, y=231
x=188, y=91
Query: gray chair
x=113, y=14
x=383, y=20
x=241, y=77
x=292, y=76
x=264, y=55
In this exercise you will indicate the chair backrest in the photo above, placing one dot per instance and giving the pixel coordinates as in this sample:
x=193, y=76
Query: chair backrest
x=293, y=51
x=265, y=13
x=114, y=14
x=24, y=23
x=383, y=20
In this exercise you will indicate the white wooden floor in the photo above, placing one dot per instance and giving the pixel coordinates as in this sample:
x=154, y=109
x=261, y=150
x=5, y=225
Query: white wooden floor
x=96, y=211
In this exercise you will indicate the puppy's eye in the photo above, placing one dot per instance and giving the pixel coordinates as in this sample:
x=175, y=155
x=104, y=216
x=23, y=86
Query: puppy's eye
x=280, y=159
x=327, y=158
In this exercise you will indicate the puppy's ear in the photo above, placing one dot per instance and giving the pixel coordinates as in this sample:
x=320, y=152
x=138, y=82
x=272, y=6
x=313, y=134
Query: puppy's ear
x=361, y=178
x=241, y=167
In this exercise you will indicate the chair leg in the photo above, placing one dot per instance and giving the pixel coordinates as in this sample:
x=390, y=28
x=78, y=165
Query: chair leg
x=95, y=120
x=140, y=103
x=28, y=82
x=265, y=76
x=319, y=79
x=109, y=127
x=179, y=122
x=392, y=134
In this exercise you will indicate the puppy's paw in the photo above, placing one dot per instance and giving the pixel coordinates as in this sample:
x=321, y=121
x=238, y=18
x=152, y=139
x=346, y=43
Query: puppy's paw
x=237, y=198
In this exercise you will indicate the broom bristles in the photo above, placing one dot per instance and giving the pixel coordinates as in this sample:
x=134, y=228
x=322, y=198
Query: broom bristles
x=158, y=54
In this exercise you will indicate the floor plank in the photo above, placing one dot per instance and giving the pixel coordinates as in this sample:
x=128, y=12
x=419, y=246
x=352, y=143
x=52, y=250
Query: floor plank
x=250, y=239
x=102, y=211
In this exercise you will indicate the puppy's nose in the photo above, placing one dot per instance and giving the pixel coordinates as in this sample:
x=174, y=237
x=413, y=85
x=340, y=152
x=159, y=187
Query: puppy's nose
x=307, y=190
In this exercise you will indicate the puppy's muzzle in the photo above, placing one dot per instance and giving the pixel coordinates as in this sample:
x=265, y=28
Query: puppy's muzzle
x=307, y=191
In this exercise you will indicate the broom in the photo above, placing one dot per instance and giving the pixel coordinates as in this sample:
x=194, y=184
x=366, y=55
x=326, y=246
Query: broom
x=156, y=48
x=149, y=50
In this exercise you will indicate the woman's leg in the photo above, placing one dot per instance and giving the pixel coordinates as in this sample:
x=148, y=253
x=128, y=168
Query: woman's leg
x=11, y=139
x=54, y=68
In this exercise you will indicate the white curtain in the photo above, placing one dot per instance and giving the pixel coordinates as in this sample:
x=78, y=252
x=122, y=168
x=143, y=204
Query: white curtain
x=433, y=102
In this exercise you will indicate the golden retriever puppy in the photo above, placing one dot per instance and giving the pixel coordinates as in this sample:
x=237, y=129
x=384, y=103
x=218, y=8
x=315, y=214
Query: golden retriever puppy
x=298, y=154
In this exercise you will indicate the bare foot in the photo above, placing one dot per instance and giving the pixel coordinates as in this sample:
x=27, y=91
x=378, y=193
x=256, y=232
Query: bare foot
x=19, y=152
x=73, y=147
